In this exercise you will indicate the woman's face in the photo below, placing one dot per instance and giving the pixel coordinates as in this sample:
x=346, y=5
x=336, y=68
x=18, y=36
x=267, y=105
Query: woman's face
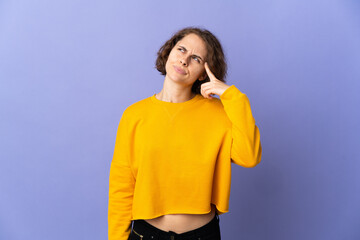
x=186, y=60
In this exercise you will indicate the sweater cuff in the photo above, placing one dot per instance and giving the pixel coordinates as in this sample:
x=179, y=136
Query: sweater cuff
x=230, y=92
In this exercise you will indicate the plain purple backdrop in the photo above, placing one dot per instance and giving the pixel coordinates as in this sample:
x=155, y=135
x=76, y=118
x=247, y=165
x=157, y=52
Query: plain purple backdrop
x=68, y=69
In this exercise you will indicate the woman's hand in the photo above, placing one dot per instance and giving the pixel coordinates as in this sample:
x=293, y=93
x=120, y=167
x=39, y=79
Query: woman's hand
x=214, y=86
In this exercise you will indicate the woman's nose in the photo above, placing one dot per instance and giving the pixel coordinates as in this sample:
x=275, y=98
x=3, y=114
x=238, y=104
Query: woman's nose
x=183, y=61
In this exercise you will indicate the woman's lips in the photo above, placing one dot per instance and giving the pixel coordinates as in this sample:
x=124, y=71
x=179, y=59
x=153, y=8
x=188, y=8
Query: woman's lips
x=179, y=70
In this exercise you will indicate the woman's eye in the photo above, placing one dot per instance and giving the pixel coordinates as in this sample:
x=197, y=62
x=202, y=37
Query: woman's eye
x=196, y=58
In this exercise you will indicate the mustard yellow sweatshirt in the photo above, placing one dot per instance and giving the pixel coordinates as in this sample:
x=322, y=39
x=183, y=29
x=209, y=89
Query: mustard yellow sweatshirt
x=176, y=157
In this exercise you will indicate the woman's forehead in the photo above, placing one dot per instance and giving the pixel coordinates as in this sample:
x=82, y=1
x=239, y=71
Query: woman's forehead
x=194, y=44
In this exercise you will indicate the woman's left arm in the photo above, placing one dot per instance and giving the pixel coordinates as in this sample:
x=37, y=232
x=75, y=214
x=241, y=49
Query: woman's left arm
x=246, y=147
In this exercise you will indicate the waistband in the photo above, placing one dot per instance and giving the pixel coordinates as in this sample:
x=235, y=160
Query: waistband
x=146, y=229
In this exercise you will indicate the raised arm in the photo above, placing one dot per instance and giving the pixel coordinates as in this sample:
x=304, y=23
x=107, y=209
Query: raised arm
x=246, y=147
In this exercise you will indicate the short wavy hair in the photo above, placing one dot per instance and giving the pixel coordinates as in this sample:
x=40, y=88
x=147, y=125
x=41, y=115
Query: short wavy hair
x=215, y=54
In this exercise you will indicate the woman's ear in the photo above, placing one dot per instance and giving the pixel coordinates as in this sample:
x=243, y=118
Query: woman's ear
x=203, y=76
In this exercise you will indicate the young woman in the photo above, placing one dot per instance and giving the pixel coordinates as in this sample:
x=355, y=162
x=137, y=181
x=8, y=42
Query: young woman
x=171, y=169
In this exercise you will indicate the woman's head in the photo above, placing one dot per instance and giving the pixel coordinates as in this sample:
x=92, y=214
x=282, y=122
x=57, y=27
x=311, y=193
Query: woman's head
x=189, y=49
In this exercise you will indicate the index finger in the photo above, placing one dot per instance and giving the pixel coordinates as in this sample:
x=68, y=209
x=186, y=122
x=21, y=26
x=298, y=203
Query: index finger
x=208, y=71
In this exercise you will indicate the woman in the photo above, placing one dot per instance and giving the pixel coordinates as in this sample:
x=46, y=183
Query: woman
x=171, y=169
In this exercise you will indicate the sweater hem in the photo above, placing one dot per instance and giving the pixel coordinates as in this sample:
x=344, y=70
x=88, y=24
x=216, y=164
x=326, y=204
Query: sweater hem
x=220, y=212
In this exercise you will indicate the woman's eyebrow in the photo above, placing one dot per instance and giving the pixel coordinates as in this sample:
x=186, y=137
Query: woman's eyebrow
x=193, y=54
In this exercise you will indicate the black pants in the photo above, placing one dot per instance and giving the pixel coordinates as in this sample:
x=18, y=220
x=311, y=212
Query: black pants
x=142, y=230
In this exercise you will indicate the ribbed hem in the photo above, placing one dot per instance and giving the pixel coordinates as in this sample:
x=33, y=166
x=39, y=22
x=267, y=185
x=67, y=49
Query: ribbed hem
x=229, y=92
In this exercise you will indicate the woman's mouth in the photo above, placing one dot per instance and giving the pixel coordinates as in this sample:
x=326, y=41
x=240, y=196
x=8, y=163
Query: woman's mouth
x=179, y=70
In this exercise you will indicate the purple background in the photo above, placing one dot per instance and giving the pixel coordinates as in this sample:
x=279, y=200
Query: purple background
x=69, y=68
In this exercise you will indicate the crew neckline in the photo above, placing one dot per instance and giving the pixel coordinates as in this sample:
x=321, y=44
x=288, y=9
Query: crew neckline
x=158, y=101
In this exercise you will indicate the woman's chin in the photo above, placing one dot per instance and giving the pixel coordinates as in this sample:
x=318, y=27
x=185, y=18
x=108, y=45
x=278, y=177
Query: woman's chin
x=179, y=78
x=176, y=77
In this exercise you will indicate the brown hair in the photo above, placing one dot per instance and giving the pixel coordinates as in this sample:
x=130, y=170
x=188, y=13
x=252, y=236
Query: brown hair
x=215, y=54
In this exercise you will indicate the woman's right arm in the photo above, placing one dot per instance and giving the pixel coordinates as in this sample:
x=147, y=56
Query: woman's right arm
x=121, y=185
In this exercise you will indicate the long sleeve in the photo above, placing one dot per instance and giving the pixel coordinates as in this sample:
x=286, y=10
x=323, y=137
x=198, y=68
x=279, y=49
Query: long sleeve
x=246, y=147
x=121, y=185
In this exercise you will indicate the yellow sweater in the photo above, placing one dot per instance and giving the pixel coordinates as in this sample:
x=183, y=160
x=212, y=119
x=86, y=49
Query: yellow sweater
x=176, y=157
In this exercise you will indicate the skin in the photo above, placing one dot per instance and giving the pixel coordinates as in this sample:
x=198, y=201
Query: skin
x=177, y=88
